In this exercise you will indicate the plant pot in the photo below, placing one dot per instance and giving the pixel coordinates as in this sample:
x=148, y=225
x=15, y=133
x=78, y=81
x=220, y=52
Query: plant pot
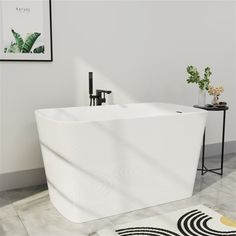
x=201, y=97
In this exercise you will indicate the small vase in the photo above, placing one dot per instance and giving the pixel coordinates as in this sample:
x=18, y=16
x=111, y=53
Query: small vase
x=201, y=97
x=215, y=100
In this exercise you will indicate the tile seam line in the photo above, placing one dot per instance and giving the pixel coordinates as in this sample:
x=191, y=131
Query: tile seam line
x=18, y=216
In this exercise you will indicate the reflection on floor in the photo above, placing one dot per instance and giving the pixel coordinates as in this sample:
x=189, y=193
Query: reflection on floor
x=28, y=211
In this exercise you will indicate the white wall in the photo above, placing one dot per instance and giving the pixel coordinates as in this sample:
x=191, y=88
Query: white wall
x=139, y=50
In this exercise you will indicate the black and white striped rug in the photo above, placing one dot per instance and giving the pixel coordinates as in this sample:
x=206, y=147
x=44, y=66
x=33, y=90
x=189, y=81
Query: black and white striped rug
x=194, y=221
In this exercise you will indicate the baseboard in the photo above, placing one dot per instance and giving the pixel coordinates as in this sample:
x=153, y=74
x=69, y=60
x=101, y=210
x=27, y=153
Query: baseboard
x=37, y=176
x=22, y=179
x=214, y=149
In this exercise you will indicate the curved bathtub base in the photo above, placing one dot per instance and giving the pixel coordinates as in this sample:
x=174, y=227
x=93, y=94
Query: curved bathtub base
x=102, y=166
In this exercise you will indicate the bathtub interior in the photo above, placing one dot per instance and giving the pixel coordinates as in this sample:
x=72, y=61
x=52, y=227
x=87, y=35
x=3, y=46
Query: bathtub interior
x=113, y=112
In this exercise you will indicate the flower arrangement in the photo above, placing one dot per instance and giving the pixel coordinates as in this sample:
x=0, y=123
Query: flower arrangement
x=215, y=92
x=194, y=77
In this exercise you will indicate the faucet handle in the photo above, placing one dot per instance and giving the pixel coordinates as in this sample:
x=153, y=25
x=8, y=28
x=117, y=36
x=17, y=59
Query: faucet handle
x=103, y=91
x=107, y=91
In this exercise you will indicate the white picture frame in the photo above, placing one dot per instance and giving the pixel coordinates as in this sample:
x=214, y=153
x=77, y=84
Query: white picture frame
x=25, y=30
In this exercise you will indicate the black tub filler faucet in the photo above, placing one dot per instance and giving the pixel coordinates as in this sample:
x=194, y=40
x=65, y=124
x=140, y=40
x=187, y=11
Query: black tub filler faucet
x=100, y=97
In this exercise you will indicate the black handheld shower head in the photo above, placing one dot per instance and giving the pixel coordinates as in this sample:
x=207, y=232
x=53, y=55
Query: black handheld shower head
x=90, y=83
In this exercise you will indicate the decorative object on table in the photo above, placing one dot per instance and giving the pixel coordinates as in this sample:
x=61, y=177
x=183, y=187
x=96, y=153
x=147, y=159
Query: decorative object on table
x=25, y=30
x=208, y=105
x=215, y=92
x=222, y=104
x=203, y=83
x=195, y=220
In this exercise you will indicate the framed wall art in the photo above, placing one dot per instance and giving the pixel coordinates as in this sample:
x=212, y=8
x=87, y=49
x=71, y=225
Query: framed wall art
x=25, y=30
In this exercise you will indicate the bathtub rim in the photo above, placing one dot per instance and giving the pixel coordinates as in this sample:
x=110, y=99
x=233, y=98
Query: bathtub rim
x=176, y=113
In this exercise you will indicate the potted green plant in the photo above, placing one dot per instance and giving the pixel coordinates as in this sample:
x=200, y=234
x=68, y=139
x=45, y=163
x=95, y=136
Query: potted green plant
x=203, y=83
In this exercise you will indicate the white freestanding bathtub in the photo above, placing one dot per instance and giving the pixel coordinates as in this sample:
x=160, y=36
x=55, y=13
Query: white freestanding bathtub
x=105, y=160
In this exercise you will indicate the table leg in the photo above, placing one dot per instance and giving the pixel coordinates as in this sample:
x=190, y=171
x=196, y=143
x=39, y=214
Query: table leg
x=203, y=151
x=223, y=143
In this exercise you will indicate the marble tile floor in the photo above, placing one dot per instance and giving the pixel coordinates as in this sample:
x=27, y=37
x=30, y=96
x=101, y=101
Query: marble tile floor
x=28, y=211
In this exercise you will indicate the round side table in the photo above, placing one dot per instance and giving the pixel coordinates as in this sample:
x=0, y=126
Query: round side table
x=219, y=170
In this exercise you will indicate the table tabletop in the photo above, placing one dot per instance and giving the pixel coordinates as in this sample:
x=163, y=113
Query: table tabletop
x=212, y=108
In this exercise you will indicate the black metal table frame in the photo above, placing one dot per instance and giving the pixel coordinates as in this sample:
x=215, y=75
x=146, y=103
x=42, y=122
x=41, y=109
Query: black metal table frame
x=204, y=169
